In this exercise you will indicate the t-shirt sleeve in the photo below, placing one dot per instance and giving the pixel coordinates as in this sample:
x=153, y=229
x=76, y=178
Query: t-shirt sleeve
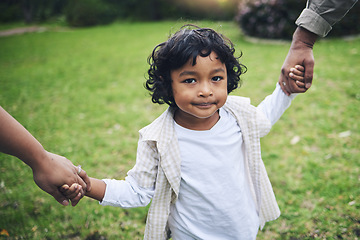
x=274, y=105
x=126, y=193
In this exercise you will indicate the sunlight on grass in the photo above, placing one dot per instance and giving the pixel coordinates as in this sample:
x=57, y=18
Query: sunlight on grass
x=80, y=93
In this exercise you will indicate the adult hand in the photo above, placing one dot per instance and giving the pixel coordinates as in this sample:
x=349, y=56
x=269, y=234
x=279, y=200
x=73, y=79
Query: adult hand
x=57, y=171
x=50, y=171
x=300, y=53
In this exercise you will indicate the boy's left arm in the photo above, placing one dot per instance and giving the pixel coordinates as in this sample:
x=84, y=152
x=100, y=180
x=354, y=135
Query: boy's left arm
x=274, y=105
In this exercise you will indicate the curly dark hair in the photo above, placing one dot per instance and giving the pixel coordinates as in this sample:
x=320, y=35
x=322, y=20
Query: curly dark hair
x=188, y=43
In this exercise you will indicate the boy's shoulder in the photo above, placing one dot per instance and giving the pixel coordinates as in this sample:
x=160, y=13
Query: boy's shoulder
x=154, y=131
x=238, y=103
x=238, y=99
x=247, y=114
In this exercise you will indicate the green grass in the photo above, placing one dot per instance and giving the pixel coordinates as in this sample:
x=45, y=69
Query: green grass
x=80, y=93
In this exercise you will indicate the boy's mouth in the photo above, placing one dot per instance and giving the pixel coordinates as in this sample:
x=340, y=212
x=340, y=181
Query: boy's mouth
x=204, y=104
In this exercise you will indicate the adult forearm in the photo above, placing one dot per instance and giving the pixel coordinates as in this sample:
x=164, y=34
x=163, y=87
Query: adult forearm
x=17, y=141
x=50, y=171
x=302, y=38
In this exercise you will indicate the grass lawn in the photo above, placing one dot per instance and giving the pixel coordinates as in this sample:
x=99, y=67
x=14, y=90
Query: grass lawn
x=80, y=93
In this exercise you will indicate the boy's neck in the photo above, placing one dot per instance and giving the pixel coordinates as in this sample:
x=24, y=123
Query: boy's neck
x=199, y=124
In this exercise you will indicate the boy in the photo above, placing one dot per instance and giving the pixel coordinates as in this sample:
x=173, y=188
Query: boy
x=200, y=161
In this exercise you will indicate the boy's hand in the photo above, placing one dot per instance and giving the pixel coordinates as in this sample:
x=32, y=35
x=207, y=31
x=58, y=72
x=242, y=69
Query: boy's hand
x=297, y=74
x=74, y=192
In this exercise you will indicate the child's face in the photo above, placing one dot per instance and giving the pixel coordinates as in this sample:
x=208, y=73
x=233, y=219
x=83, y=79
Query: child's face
x=199, y=91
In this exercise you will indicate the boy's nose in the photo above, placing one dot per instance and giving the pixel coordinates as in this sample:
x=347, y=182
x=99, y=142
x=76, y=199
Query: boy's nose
x=205, y=90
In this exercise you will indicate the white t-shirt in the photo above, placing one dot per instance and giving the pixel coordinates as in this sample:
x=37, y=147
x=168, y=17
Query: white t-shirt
x=214, y=200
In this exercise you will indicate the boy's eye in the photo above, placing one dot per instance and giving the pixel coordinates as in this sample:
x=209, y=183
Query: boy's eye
x=190, y=80
x=217, y=79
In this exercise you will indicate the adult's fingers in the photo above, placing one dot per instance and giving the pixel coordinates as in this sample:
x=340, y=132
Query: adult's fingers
x=296, y=77
x=79, y=179
x=296, y=88
x=85, y=178
x=64, y=188
x=300, y=84
x=283, y=82
x=309, y=71
x=76, y=199
x=283, y=87
x=289, y=86
x=60, y=198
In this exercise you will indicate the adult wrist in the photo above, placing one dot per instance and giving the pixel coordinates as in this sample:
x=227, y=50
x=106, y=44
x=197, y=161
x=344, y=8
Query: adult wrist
x=38, y=159
x=303, y=38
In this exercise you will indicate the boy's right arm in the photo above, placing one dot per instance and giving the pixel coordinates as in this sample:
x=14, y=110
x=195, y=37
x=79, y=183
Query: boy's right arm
x=274, y=105
x=97, y=190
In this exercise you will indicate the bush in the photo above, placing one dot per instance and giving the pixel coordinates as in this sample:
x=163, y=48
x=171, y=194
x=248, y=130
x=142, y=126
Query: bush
x=146, y=10
x=10, y=11
x=275, y=19
x=30, y=10
x=83, y=13
x=272, y=19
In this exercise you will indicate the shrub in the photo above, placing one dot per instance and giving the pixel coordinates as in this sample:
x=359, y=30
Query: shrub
x=82, y=13
x=269, y=18
x=10, y=11
x=275, y=19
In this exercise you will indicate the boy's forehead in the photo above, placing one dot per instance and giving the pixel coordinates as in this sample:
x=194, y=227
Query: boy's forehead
x=193, y=64
x=212, y=56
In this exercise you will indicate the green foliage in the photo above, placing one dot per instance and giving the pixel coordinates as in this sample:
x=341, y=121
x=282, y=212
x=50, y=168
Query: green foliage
x=30, y=10
x=269, y=19
x=275, y=19
x=10, y=11
x=80, y=93
x=94, y=12
x=84, y=13
x=142, y=9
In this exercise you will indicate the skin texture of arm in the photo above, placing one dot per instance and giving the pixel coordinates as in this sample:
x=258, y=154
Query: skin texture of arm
x=50, y=171
x=97, y=191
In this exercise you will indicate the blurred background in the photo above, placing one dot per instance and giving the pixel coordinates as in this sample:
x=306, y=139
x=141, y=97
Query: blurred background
x=76, y=84
x=258, y=18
